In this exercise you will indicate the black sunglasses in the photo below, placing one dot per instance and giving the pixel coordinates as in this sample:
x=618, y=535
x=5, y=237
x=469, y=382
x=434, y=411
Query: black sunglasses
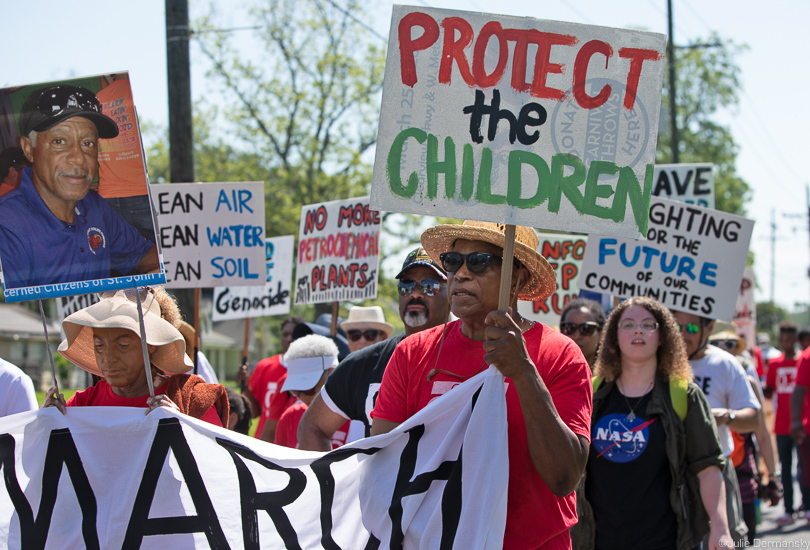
x=585, y=329
x=369, y=334
x=476, y=261
x=430, y=287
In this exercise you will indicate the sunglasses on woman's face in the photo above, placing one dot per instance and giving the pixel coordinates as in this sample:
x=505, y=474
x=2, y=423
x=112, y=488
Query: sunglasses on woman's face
x=585, y=329
x=370, y=335
x=689, y=328
x=476, y=261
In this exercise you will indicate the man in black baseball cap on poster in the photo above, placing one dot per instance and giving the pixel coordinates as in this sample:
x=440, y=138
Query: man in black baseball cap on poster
x=53, y=228
x=350, y=391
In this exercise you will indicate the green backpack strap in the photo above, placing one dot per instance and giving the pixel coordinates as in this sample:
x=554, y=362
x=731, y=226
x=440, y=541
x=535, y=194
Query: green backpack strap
x=677, y=394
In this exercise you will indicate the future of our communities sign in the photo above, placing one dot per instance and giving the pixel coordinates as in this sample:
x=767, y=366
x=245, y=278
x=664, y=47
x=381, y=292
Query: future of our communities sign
x=518, y=120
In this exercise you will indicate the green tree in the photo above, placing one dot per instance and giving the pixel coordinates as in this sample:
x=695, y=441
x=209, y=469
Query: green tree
x=708, y=80
x=769, y=315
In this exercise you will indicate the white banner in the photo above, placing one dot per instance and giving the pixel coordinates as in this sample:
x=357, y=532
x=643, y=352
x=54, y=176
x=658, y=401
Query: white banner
x=338, y=252
x=211, y=234
x=109, y=477
x=240, y=302
x=518, y=120
x=565, y=254
x=689, y=183
x=692, y=261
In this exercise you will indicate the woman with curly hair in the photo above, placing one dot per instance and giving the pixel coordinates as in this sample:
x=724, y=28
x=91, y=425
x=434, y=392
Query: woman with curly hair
x=653, y=478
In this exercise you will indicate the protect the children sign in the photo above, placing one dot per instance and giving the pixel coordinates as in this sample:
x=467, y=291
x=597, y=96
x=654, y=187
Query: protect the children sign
x=692, y=261
x=338, y=252
x=211, y=234
x=518, y=120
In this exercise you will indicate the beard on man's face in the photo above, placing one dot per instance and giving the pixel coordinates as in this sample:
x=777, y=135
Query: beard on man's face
x=416, y=318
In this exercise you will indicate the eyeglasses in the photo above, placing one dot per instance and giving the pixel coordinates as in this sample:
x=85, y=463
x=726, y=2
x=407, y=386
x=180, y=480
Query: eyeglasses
x=58, y=99
x=476, y=261
x=370, y=334
x=585, y=329
x=647, y=325
x=728, y=345
x=430, y=287
x=690, y=328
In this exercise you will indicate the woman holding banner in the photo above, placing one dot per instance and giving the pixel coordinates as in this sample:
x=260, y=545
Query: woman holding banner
x=653, y=478
x=104, y=340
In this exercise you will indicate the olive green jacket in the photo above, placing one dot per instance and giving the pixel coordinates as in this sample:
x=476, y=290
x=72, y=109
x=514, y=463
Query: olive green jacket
x=691, y=446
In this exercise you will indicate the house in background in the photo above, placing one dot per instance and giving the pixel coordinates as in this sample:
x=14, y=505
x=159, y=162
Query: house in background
x=22, y=342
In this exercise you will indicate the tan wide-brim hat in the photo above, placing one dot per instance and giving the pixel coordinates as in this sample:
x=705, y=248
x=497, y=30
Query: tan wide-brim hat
x=119, y=312
x=727, y=335
x=542, y=282
x=367, y=317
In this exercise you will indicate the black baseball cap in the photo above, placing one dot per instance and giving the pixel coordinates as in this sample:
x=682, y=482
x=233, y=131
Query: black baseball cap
x=420, y=257
x=47, y=107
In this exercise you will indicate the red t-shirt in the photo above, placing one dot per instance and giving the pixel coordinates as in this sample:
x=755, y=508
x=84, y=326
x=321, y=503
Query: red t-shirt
x=803, y=379
x=287, y=430
x=535, y=517
x=781, y=378
x=101, y=395
x=264, y=383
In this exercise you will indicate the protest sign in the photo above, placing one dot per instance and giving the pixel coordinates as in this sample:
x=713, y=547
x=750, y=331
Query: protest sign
x=519, y=121
x=689, y=183
x=564, y=253
x=77, y=228
x=338, y=252
x=112, y=477
x=693, y=260
x=745, y=312
x=241, y=302
x=211, y=234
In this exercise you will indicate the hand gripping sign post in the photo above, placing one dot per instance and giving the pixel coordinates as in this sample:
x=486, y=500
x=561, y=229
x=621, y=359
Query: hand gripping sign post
x=692, y=261
x=518, y=121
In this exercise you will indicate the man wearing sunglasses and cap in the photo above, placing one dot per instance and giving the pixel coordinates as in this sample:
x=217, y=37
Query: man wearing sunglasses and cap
x=548, y=385
x=53, y=228
x=734, y=404
x=351, y=391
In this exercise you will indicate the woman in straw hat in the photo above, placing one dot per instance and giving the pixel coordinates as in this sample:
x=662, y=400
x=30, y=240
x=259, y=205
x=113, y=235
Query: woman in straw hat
x=104, y=340
x=549, y=390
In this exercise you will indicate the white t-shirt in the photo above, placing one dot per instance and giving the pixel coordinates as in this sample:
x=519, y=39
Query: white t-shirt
x=16, y=390
x=723, y=380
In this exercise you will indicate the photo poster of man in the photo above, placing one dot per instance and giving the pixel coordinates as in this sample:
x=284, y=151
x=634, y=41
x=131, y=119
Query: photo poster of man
x=75, y=212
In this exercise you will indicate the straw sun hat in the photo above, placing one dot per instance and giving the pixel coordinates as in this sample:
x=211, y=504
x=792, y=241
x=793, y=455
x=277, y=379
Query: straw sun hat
x=119, y=312
x=542, y=283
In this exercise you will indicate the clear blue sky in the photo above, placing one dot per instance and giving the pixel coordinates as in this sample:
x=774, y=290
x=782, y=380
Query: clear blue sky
x=49, y=40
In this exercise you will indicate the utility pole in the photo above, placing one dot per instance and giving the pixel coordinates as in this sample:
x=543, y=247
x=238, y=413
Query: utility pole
x=181, y=145
x=773, y=254
x=673, y=123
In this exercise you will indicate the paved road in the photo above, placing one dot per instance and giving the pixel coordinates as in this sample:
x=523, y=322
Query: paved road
x=769, y=535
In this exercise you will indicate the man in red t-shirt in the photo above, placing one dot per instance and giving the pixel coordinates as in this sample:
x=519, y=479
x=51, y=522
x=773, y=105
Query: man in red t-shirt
x=549, y=390
x=262, y=385
x=779, y=386
x=800, y=423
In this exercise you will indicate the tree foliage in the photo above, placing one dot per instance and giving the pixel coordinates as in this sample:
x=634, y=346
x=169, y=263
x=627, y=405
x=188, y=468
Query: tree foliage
x=303, y=102
x=708, y=81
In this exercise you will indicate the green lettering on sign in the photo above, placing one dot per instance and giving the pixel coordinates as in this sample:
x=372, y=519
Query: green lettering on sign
x=393, y=164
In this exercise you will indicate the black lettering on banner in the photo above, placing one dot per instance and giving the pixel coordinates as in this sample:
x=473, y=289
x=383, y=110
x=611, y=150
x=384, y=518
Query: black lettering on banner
x=326, y=480
x=271, y=502
x=61, y=450
x=170, y=435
